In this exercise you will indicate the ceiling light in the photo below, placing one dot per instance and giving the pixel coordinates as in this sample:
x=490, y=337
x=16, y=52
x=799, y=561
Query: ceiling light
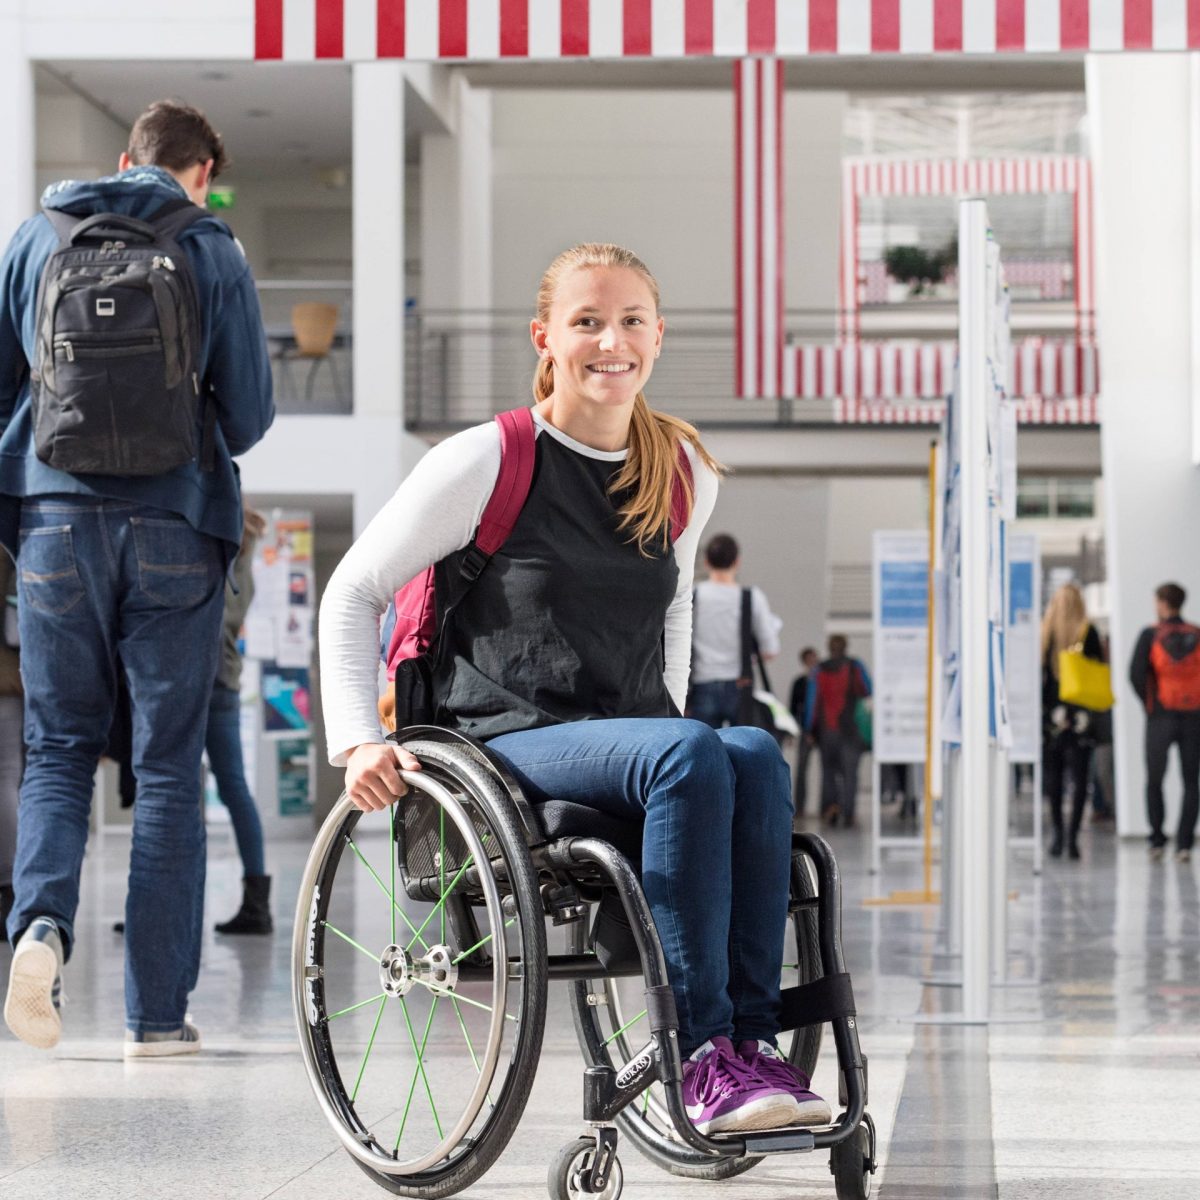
x=258, y=112
x=213, y=76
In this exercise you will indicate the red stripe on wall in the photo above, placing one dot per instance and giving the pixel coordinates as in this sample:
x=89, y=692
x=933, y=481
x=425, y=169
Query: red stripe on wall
x=1073, y=24
x=389, y=28
x=452, y=29
x=760, y=27
x=759, y=187
x=514, y=28
x=1193, y=24
x=1139, y=24
x=574, y=27
x=1010, y=25
x=885, y=26
x=822, y=26
x=268, y=28
x=778, y=68
x=637, y=28
x=947, y=24
x=739, y=218
x=698, y=26
x=330, y=27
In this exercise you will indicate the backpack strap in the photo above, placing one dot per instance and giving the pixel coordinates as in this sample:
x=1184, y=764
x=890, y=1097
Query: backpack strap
x=177, y=215
x=517, y=446
x=683, y=493
x=746, y=638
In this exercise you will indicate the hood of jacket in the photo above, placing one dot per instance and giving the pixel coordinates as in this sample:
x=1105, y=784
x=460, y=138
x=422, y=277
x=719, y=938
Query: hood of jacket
x=137, y=192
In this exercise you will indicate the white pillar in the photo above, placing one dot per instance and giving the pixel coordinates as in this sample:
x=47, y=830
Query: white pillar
x=17, y=148
x=474, y=155
x=378, y=240
x=1148, y=240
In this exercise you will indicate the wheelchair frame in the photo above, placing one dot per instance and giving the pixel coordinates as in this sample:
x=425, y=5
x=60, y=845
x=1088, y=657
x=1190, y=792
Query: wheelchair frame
x=575, y=868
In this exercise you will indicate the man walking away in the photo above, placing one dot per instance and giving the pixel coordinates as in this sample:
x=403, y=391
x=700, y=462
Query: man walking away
x=834, y=689
x=797, y=705
x=716, y=635
x=133, y=365
x=1165, y=673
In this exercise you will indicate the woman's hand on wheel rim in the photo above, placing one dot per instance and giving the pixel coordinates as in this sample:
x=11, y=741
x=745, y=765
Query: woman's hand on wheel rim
x=373, y=774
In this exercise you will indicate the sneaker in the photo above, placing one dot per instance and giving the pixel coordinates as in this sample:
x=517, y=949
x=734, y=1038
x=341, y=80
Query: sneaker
x=34, y=1004
x=1156, y=853
x=721, y=1093
x=775, y=1070
x=184, y=1040
x=1183, y=855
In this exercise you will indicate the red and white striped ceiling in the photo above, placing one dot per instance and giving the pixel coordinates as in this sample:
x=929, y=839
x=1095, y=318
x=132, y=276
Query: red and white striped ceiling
x=611, y=29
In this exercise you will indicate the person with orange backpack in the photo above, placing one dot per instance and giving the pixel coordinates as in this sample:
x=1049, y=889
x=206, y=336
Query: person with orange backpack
x=1165, y=673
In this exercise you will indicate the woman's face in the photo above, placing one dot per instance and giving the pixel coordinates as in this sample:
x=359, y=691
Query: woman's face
x=603, y=335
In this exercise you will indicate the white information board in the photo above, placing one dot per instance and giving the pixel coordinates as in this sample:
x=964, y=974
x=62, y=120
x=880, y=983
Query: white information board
x=901, y=627
x=1023, y=647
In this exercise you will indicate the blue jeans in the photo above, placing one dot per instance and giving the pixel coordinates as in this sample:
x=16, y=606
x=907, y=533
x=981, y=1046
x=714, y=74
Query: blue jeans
x=101, y=581
x=716, y=850
x=223, y=742
x=715, y=703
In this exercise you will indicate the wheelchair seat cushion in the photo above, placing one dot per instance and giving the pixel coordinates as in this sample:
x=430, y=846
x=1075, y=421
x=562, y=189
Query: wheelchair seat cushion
x=562, y=818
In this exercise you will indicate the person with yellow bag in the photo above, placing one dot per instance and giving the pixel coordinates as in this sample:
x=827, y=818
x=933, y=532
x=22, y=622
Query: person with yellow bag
x=1076, y=685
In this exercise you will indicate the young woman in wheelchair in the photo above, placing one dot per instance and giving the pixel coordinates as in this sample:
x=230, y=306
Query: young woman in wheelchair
x=569, y=657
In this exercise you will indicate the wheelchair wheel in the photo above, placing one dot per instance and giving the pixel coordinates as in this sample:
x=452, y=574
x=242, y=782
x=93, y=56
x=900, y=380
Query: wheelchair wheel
x=419, y=976
x=610, y=1021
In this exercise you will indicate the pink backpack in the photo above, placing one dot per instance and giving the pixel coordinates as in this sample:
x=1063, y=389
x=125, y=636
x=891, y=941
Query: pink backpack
x=415, y=604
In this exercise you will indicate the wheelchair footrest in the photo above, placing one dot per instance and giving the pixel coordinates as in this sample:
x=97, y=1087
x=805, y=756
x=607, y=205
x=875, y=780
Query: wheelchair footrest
x=779, y=1141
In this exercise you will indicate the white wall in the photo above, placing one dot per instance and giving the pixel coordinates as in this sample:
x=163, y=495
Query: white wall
x=75, y=140
x=1147, y=235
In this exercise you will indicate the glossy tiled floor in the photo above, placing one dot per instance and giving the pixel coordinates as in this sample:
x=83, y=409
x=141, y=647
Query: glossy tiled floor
x=1094, y=1091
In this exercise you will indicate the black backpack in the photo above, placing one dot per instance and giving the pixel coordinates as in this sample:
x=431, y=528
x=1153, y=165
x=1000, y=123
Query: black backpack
x=115, y=381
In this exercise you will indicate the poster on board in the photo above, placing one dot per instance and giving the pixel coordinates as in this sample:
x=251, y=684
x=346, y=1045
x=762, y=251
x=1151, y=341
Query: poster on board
x=901, y=645
x=1023, y=657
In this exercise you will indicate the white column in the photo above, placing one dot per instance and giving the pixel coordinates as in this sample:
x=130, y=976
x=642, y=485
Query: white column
x=474, y=155
x=17, y=148
x=1148, y=309
x=378, y=240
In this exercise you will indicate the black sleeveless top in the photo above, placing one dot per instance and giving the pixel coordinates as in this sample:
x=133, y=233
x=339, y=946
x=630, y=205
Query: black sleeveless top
x=566, y=621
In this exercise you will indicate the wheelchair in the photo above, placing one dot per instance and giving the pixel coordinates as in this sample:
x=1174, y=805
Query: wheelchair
x=420, y=965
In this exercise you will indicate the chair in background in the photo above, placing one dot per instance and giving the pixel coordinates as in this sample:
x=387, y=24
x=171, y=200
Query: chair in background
x=314, y=328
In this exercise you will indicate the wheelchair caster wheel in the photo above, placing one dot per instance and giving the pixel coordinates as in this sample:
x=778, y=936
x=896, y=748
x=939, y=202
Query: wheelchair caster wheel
x=569, y=1171
x=852, y=1164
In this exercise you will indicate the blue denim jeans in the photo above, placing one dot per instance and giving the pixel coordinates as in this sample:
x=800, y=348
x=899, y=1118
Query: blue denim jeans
x=715, y=852
x=715, y=703
x=101, y=581
x=223, y=743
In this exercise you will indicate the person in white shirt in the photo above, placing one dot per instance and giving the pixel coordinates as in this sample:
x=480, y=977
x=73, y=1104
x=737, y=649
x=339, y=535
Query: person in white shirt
x=717, y=679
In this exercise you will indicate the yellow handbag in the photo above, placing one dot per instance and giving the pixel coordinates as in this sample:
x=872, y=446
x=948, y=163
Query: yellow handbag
x=1083, y=681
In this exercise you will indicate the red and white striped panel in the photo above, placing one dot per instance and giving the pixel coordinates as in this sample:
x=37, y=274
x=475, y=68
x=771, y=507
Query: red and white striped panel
x=1036, y=176
x=490, y=29
x=758, y=226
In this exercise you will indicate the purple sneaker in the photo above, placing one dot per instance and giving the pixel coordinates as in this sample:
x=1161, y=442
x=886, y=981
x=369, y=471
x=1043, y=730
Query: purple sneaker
x=773, y=1069
x=721, y=1093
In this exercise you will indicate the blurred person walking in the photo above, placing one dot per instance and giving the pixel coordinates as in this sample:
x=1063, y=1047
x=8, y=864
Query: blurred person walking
x=1069, y=732
x=718, y=690
x=798, y=707
x=223, y=744
x=1165, y=673
x=133, y=366
x=834, y=691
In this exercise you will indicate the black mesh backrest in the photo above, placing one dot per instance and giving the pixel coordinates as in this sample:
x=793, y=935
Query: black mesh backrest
x=562, y=818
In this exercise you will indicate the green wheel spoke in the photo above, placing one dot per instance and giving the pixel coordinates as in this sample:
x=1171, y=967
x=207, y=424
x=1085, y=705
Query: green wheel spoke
x=645, y=1101
x=367, y=1052
x=482, y=942
x=419, y=1073
x=391, y=896
x=355, y=1007
x=437, y=991
x=392, y=860
x=440, y=905
x=470, y=1048
x=347, y=938
x=627, y=1025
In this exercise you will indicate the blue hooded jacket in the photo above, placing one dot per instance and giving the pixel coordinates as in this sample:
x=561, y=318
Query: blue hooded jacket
x=232, y=358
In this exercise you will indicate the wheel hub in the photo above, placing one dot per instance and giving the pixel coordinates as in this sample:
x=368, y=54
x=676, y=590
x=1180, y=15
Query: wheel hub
x=400, y=972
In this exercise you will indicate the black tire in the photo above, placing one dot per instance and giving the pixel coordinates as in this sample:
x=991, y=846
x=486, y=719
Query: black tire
x=510, y=873
x=562, y=1178
x=649, y=1128
x=850, y=1162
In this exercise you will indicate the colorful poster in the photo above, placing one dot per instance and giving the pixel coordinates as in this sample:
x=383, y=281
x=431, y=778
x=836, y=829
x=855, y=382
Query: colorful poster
x=285, y=698
x=293, y=757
